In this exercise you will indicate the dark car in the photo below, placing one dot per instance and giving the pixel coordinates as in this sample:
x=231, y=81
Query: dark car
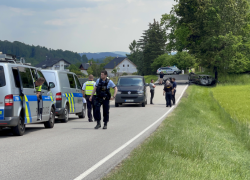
x=131, y=89
x=201, y=79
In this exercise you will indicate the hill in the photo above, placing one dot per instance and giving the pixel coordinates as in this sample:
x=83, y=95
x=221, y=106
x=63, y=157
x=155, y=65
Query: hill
x=35, y=54
x=101, y=55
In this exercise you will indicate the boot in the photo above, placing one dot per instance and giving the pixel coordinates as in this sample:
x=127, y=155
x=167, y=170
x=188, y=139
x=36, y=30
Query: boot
x=98, y=125
x=105, y=125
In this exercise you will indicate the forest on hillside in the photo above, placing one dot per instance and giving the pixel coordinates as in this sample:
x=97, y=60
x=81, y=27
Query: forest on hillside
x=35, y=54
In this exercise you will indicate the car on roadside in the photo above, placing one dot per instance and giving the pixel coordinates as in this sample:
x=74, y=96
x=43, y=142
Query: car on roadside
x=131, y=89
x=18, y=100
x=168, y=70
x=201, y=79
x=68, y=93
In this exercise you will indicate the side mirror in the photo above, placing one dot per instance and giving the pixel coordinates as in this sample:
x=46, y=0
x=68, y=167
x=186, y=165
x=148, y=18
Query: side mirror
x=51, y=85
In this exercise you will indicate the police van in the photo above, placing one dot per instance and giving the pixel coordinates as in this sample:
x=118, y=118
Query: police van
x=18, y=100
x=68, y=93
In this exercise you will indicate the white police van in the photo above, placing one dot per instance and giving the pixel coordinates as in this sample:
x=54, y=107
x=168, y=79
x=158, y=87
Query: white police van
x=68, y=93
x=18, y=100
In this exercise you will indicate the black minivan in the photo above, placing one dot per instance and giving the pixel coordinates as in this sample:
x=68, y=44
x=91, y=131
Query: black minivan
x=131, y=89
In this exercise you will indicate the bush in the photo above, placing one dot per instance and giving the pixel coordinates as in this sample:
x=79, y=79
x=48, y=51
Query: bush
x=135, y=73
x=124, y=74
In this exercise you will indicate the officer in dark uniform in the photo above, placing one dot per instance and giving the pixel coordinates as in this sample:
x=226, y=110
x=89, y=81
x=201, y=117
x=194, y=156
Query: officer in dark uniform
x=103, y=96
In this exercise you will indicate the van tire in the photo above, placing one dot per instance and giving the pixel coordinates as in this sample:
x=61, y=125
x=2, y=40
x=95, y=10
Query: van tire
x=19, y=129
x=116, y=105
x=65, y=115
x=82, y=114
x=50, y=123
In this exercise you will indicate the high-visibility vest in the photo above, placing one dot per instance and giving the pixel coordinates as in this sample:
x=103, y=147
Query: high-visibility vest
x=190, y=70
x=89, y=87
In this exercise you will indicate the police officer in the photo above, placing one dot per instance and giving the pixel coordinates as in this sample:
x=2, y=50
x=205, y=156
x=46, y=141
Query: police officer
x=38, y=84
x=173, y=90
x=103, y=96
x=87, y=89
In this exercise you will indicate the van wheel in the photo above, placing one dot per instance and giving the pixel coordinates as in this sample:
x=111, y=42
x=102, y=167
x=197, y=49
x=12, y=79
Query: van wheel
x=116, y=105
x=174, y=72
x=50, y=123
x=66, y=115
x=20, y=128
x=143, y=104
x=82, y=115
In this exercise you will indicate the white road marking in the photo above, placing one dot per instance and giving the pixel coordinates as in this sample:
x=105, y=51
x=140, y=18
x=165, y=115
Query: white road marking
x=90, y=170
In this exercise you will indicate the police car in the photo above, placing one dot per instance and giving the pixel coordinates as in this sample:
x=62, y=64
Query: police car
x=68, y=93
x=18, y=100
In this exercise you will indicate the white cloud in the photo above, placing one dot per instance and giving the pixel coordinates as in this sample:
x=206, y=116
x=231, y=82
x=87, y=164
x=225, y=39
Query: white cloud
x=109, y=25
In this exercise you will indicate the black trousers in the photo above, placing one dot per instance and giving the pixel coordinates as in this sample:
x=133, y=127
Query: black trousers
x=105, y=105
x=39, y=105
x=173, y=97
x=90, y=106
x=152, y=96
x=168, y=98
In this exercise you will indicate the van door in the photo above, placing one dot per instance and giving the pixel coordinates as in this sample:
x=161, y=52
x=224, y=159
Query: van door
x=28, y=95
x=70, y=96
x=78, y=95
x=47, y=97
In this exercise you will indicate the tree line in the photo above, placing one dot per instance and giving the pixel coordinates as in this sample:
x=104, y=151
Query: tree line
x=36, y=54
x=213, y=34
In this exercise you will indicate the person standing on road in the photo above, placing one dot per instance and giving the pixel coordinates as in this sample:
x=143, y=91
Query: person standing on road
x=173, y=90
x=87, y=89
x=167, y=91
x=152, y=90
x=103, y=95
x=161, y=78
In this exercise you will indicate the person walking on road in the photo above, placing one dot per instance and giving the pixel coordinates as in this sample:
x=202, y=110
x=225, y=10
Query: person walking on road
x=87, y=89
x=161, y=78
x=152, y=90
x=174, y=90
x=103, y=95
x=167, y=91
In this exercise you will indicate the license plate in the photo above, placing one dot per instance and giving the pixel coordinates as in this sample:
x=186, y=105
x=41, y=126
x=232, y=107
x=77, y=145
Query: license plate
x=129, y=100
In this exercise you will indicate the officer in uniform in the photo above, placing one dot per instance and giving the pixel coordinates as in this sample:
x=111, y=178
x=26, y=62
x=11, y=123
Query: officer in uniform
x=38, y=84
x=87, y=89
x=103, y=96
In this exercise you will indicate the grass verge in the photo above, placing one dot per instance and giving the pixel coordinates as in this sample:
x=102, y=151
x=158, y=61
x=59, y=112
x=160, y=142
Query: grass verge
x=149, y=77
x=199, y=140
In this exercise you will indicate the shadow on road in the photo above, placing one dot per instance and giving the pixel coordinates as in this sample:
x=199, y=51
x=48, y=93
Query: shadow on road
x=6, y=133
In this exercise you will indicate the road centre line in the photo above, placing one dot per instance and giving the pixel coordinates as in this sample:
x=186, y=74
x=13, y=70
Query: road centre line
x=90, y=170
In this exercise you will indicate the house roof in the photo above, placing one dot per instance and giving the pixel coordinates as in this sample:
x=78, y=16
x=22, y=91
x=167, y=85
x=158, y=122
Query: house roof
x=115, y=62
x=50, y=62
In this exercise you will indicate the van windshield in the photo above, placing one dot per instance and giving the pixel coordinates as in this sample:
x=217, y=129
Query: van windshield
x=2, y=77
x=130, y=82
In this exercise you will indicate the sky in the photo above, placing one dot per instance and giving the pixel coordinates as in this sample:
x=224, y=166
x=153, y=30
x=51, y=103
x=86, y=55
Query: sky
x=79, y=25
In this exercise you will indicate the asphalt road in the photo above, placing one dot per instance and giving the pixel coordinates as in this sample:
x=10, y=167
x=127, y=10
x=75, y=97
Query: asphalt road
x=76, y=150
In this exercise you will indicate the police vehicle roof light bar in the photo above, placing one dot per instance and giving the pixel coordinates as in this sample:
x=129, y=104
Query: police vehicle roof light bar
x=7, y=58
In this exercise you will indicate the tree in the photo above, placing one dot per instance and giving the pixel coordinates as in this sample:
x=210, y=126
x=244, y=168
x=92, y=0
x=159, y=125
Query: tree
x=215, y=32
x=90, y=71
x=84, y=58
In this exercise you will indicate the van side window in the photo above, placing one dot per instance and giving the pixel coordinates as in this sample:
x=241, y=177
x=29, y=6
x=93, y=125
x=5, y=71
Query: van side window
x=26, y=78
x=71, y=81
x=2, y=77
x=45, y=84
x=78, y=84
x=16, y=77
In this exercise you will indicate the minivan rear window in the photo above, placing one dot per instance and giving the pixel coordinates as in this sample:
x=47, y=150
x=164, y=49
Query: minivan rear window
x=2, y=77
x=130, y=82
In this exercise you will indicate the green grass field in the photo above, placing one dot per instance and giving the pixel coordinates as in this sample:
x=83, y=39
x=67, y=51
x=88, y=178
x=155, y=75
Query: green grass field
x=199, y=140
x=235, y=99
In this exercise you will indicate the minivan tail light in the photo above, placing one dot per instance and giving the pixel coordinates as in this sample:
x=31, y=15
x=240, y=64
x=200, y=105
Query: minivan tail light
x=8, y=100
x=58, y=96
